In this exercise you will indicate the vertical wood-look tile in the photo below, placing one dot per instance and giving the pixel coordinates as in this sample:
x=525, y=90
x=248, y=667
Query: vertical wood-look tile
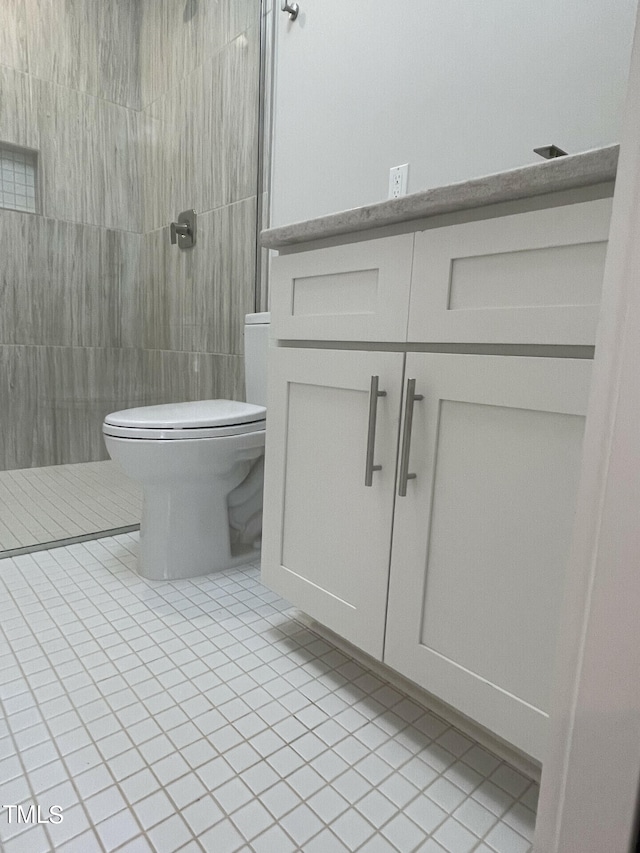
x=179, y=111
x=170, y=41
x=229, y=123
x=19, y=392
x=62, y=37
x=94, y=263
x=238, y=16
x=114, y=198
x=42, y=305
x=68, y=119
x=128, y=255
x=156, y=153
x=222, y=374
x=89, y=159
x=13, y=268
x=119, y=25
x=66, y=280
x=180, y=376
x=18, y=109
x=161, y=292
x=13, y=35
x=84, y=385
x=221, y=291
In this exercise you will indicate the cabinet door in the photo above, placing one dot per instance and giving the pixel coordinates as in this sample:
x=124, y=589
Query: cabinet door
x=482, y=537
x=531, y=278
x=327, y=536
x=356, y=292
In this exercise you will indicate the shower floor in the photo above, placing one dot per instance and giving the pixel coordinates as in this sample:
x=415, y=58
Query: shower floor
x=40, y=506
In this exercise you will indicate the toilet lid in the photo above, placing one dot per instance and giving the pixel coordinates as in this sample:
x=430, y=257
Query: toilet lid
x=197, y=415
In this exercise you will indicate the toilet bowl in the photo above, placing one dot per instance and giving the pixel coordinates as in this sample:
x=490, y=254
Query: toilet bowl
x=200, y=467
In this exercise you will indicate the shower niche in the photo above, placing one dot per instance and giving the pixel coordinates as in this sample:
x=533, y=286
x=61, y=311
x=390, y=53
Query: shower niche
x=18, y=178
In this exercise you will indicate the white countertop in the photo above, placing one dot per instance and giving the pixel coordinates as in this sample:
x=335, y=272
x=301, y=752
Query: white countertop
x=562, y=173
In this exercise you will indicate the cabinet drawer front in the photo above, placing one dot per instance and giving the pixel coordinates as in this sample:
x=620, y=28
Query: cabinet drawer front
x=326, y=535
x=356, y=292
x=531, y=278
x=474, y=599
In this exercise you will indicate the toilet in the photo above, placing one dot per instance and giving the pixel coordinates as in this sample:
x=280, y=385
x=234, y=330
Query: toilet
x=200, y=465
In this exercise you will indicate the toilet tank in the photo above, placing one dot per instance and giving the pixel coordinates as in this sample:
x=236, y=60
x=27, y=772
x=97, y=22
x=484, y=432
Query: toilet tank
x=256, y=344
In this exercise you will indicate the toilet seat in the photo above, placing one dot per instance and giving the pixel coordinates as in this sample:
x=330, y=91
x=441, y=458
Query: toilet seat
x=175, y=421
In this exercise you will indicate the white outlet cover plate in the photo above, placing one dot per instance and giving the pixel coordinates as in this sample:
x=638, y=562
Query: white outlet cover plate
x=398, y=179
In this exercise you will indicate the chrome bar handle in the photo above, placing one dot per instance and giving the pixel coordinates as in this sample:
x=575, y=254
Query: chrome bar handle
x=371, y=432
x=405, y=476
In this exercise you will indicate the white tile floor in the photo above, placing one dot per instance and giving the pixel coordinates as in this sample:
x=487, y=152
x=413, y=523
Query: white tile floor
x=42, y=505
x=200, y=716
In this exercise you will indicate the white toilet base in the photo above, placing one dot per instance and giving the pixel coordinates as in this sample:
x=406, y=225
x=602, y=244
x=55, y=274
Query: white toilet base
x=184, y=531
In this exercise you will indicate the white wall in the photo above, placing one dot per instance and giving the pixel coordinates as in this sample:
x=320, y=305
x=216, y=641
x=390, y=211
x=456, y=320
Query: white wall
x=456, y=88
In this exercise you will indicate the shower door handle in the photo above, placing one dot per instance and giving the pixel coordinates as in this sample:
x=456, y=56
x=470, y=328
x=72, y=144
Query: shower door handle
x=405, y=476
x=371, y=431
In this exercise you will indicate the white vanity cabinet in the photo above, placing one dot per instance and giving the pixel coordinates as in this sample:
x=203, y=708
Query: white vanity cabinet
x=356, y=292
x=327, y=536
x=432, y=530
x=481, y=538
x=469, y=554
x=529, y=278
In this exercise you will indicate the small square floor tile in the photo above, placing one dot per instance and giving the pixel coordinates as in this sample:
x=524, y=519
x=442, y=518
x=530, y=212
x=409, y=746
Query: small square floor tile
x=402, y=832
x=397, y=789
x=378, y=844
x=376, y=808
x=475, y=817
x=325, y=842
x=305, y=782
x=510, y=780
x=184, y=673
x=351, y=785
x=530, y=797
x=352, y=829
x=522, y=819
x=425, y=813
x=252, y=819
x=280, y=799
x=170, y=835
x=328, y=804
x=202, y=814
x=274, y=839
x=105, y=804
x=118, y=829
x=503, y=839
x=454, y=837
x=445, y=794
x=153, y=809
x=493, y=798
x=232, y=795
x=483, y=762
x=301, y=824
x=223, y=836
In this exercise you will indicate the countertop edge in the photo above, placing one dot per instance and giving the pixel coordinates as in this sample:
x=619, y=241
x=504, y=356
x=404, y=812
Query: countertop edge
x=563, y=173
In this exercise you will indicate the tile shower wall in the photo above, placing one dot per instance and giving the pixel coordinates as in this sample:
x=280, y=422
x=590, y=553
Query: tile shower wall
x=199, y=65
x=156, y=112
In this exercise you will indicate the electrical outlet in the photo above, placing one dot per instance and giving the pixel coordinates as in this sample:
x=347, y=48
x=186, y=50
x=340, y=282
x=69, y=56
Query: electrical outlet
x=398, y=176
